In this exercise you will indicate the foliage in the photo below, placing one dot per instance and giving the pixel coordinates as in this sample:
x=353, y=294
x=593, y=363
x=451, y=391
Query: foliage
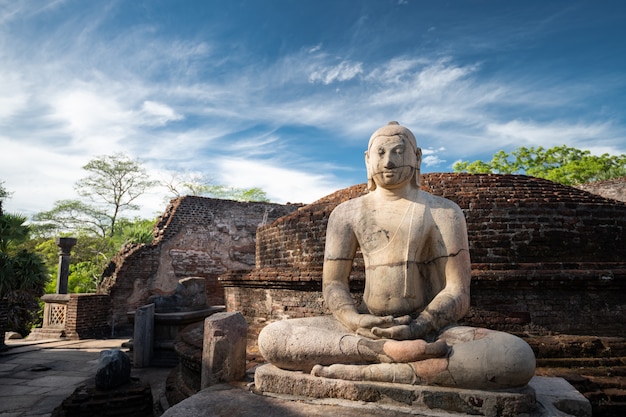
x=13, y=231
x=23, y=274
x=114, y=183
x=3, y=192
x=562, y=164
x=93, y=253
x=68, y=216
x=199, y=185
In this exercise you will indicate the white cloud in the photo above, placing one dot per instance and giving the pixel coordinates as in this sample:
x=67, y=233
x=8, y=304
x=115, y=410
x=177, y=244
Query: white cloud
x=315, y=48
x=13, y=94
x=37, y=175
x=548, y=135
x=89, y=114
x=343, y=71
x=280, y=183
x=158, y=114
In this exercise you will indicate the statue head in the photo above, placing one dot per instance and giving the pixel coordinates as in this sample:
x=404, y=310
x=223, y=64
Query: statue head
x=393, y=132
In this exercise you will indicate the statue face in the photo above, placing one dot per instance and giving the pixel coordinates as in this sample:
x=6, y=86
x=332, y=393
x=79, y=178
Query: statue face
x=391, y=161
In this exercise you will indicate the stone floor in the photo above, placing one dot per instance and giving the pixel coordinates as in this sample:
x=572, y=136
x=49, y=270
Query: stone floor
x=36, y=376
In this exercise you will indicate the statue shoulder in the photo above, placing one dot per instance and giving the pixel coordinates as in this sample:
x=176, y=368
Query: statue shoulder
x=441, y=204
x=347, y=211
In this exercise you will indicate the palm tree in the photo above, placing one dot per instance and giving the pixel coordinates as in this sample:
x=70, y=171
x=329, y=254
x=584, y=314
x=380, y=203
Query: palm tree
x=23, y=276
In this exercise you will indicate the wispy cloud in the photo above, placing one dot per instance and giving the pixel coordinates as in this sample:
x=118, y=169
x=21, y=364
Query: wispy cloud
x=343, y=71
x=179, y=103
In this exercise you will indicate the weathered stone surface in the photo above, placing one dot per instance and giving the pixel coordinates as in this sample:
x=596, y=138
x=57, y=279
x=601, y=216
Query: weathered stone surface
x=189, y=295
x=224, y=348
x=559, y=395
x=614, y=188
x=269, y=379
x=113, y=369
x=195, y=237
x=131, y=400
x=227, y=401
x=143, y=336
x=12, y=335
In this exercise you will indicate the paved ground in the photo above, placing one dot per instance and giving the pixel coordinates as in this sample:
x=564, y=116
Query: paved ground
x=36, y=376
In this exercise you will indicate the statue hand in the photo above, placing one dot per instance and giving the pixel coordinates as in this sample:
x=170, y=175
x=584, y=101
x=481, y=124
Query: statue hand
x=363, y=324
x=402, y=331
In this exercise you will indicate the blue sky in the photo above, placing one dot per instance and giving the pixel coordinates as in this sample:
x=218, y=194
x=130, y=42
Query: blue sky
x=283, y=95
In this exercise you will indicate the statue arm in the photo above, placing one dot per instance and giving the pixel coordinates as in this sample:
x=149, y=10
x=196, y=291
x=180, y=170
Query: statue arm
x=339, y=254
x=452, y=303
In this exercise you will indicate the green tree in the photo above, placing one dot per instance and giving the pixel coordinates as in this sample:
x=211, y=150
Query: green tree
x=92, y=253
x=199, y=185
x=562, y=164
x=71, y=216
x=114, y=183
x=3, y=194
x=111, y=188
x=23, y=274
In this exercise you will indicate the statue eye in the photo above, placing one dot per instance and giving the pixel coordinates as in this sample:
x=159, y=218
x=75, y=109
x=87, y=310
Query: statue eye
x=381, y=151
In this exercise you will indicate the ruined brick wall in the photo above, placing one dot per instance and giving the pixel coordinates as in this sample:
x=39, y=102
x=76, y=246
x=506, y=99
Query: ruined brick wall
x=614, y=188
x=195, y=237
x=88, y=316
x=531, y=241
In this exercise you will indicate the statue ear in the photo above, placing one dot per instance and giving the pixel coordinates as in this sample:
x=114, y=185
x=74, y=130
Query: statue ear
x=371, y=185
x=417, y=175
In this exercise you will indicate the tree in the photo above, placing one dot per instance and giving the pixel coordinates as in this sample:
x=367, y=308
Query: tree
x=562, y=164
x=3, y=194
x=199, y=185
x=70, y=216
x=23, y=274
x=93, y=253
x=115, y=182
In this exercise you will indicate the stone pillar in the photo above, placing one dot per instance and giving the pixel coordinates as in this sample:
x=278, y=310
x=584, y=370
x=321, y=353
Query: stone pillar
x=65, y=244
x=224, y=349
x=143, y=336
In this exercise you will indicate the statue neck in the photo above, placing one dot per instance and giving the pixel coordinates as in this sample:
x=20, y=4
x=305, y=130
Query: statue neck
x=405, y=191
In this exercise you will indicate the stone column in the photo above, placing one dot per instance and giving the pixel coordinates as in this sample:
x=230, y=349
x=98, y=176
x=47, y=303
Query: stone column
x=65, y=244
x=143, y=336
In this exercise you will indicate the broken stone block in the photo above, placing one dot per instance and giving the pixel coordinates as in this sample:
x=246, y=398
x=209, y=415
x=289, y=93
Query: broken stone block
x=224, y=348
x=113, y=369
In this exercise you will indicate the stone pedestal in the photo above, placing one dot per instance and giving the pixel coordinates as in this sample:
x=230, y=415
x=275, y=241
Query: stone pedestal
x=542, y=396
x=54, y=317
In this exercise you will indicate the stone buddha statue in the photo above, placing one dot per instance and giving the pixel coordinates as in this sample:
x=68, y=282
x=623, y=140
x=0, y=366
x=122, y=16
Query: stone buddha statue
x=417, y=286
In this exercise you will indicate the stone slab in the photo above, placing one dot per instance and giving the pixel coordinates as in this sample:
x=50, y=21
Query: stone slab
x=225, y=400
x=270, y=379
x=558, y=394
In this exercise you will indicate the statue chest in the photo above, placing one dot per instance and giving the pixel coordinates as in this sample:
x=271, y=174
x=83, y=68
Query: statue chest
x=393, y=234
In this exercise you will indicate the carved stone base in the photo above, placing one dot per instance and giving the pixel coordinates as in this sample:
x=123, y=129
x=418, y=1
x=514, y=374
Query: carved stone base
x=44, y=333
x=270, y=380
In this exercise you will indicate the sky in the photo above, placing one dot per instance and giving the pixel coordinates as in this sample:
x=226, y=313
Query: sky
x=284, y=94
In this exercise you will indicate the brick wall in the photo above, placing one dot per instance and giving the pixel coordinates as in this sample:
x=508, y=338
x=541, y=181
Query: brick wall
x=87, y=316
x=545, y=257
x=196, y=236
x=614, y=188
